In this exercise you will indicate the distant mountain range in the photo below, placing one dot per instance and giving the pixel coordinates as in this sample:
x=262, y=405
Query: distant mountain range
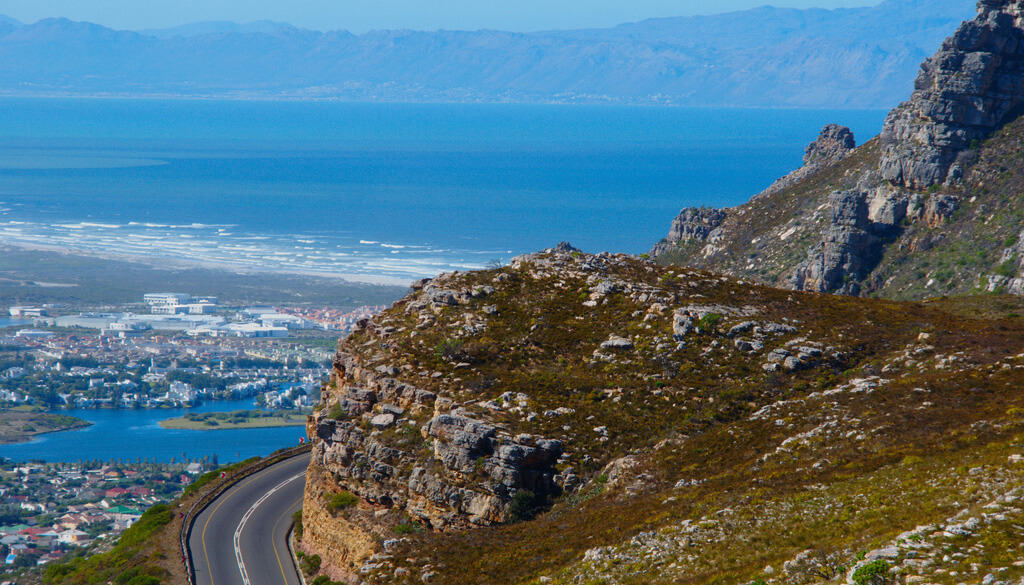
x=857, y=58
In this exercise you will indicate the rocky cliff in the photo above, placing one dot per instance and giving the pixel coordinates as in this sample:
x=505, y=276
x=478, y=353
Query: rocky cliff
x=929, y=207
x=577, y=418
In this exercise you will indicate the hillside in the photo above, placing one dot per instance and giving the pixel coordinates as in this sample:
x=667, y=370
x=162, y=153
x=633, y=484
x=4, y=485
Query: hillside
x=931, y=207
x=762, y=57
x=573, y=418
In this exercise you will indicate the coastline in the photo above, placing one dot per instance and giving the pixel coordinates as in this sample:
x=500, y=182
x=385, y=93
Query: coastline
x=168, y=263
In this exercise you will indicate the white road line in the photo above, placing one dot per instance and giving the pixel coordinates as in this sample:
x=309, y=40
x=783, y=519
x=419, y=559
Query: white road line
x=245, y=518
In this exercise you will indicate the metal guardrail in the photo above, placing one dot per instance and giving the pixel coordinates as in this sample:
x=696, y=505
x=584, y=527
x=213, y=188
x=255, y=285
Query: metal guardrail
x=189, y=518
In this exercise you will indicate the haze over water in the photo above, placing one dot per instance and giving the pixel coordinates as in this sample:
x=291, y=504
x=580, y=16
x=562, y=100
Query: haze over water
x=377, y=191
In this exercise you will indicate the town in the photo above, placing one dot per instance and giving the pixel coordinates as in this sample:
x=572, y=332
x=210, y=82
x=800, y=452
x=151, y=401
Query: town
x=170, y=350
x=182, y=351
x=48, y=510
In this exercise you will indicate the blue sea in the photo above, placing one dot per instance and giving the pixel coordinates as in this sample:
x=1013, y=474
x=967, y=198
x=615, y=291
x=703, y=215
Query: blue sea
x=376, y=192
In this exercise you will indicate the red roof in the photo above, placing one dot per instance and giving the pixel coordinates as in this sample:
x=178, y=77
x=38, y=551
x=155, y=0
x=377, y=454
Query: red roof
x=33, y=531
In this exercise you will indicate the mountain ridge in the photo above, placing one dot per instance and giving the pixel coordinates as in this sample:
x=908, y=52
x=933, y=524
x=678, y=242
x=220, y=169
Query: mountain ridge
x=762, y=57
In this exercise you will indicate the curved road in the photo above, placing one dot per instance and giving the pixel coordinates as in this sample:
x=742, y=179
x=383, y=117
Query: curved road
x=241, y=537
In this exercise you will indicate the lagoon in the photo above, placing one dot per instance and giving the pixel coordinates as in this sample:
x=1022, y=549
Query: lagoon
x=128, y=434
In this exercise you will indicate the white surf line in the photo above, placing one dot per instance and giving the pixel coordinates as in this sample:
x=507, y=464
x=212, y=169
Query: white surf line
x=245, y=518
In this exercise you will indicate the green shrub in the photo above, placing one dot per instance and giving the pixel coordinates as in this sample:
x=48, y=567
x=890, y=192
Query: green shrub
x=709, y=322
x=873, y=573
x=911, y=460
x=449, y=350
x=310, y=564
x=406, y=528
x=297, y=519
x=1008, y=268
x=341, y=501
x=336, y=412
x=150, y=521
x=525, y=505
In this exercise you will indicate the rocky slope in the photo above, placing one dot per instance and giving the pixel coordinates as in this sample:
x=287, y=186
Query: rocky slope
x=575, y=418
x=929, y=207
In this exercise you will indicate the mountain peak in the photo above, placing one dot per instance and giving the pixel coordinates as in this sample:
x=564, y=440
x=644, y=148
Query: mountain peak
x=195, y=29
x=973, y=85
x=930, y=207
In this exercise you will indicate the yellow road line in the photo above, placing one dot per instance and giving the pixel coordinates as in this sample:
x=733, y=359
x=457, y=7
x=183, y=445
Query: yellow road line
x=233, y=490
x=273, y=531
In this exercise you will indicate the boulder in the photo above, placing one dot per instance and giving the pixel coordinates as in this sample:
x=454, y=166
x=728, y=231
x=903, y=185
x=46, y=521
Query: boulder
x=616, y=342
x=383, y=420
x=461, y=440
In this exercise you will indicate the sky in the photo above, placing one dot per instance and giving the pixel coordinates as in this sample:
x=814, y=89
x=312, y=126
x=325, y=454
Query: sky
x=362, y=15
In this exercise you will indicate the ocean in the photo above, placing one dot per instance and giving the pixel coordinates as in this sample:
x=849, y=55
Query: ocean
x=377, y=192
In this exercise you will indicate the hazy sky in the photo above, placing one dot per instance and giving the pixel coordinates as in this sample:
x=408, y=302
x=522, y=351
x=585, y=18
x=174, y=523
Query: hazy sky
x=362, y=15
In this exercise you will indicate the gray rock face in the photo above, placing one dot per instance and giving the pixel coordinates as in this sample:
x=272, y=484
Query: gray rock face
x=844, y=256
x=831, y=146
x=566, y=247
x=464, y=472
x=972, y=86
x=692, y=223
x=462, y=440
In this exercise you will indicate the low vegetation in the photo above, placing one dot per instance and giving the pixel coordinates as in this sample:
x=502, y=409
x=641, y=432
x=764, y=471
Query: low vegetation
x=239, y=419
x=21, y=424
x=700, y=460
x=132, y=561
x=341, y=501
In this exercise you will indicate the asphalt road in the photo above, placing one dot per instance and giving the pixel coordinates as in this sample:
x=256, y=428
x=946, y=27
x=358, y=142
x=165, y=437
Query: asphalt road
x=241, y=537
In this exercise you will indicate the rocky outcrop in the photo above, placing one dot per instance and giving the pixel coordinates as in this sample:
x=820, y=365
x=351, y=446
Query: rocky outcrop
x=851, y=224
x=440, y=466
x=834, y=143
x=692, y=224
x=832, y=146
x=972, y=86
x=702, y=224
x=844, y=256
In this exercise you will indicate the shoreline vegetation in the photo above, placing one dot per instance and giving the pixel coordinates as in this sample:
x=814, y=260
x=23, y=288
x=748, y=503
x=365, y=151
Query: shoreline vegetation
x=239, y=419
x=20, y=426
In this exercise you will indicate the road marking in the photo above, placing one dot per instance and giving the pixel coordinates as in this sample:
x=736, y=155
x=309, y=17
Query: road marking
x=233, y=491
x=245, y=518
x=274, y=543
